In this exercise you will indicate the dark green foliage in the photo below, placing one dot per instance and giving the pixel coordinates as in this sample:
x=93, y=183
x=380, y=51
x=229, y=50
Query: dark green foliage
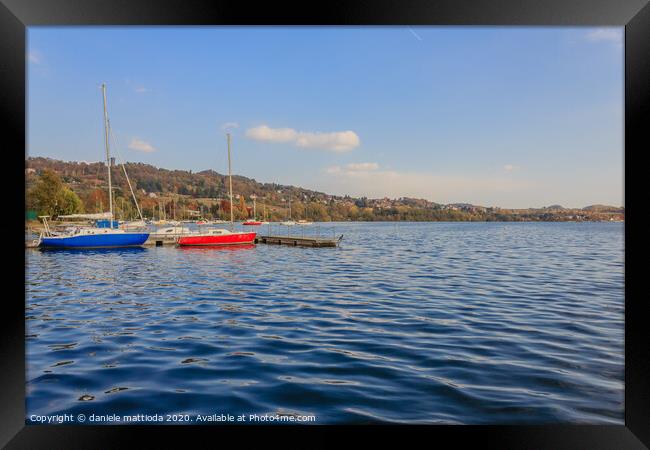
x=50, y=197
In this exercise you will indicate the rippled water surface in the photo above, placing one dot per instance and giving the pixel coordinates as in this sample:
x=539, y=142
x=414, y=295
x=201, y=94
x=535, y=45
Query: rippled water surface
x=416, y=322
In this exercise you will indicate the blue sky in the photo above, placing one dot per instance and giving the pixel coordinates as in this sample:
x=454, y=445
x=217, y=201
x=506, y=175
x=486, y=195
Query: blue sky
x=502, y=116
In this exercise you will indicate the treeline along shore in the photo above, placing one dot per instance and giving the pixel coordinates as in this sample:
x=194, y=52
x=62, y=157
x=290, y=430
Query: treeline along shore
x=59, y=187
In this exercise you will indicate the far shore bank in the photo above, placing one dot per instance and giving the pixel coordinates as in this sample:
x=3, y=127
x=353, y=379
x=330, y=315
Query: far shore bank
x=37, y=226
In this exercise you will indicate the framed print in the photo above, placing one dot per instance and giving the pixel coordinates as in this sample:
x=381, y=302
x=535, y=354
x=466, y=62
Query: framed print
x=362, y=217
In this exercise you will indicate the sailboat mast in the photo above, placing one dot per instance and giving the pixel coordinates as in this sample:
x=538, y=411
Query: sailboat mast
x=232, y=218
x=108, y=155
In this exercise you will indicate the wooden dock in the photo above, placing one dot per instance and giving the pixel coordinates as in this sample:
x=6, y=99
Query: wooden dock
x=299, y=241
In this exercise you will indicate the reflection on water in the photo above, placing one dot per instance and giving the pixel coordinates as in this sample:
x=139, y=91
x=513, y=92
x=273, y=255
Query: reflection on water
x=429, y=323
x=212, y=248
x=93, y=251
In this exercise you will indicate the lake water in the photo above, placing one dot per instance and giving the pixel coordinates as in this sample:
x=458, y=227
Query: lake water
x=472, y=323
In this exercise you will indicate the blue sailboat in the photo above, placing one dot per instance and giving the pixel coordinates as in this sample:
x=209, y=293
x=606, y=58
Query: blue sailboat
x=89, y=238
x=99, y=236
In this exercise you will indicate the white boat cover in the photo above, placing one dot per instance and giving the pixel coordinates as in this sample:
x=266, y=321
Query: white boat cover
x=96, y=216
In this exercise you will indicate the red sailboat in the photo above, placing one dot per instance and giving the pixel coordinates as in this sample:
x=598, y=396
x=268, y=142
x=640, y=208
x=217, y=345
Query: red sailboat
x=253, y=221
x=220, y=236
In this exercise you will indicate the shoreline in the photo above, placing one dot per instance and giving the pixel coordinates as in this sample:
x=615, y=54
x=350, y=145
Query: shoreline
x=38, y=226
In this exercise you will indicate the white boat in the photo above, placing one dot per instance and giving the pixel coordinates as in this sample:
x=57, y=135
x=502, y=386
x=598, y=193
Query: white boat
x=289, y=222
x=170, y=231
x=304, y=222
x=133, y=225
x=92, y=216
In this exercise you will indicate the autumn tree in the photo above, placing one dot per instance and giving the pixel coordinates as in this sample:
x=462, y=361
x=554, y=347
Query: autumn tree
x=96, y=200
x=224, y=205
x=297, y=210
x=242, y=204
x=316, y=212
x=50, y=197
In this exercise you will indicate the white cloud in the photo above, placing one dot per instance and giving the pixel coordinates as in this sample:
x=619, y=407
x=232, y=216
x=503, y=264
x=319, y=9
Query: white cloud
x=354, y=169
x=141, y=90
x=267, y=134
x=509, y=167
x=363, y=166
x=613, y=35
x=337, y=141
x=34, y=56
x=371, y=181
x=141, y=146
x=229, y=125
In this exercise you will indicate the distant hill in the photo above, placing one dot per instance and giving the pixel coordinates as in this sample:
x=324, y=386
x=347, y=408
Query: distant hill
x=604, y=208
x=149, y=179
x=178, y=192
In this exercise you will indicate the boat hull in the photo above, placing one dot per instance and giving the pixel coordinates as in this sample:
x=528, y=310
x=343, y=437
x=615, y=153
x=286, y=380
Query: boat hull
x=252, y=223
x=95, y=241
x=228, y=239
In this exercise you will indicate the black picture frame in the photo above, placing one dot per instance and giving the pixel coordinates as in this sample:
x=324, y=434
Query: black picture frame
x=16, y=15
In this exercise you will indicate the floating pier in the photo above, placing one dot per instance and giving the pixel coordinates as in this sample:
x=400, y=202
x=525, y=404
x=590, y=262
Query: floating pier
x=299, y=241
x=159, y=241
